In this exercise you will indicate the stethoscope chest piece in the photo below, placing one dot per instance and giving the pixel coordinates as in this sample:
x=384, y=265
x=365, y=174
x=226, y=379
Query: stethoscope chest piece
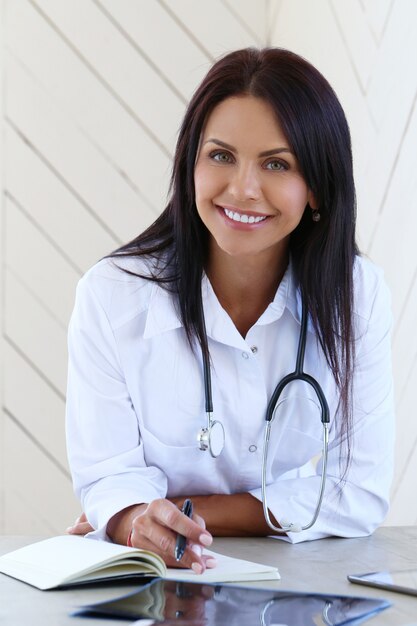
x=212, y=438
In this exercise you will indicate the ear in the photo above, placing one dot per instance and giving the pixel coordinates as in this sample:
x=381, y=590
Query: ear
x=311, y=200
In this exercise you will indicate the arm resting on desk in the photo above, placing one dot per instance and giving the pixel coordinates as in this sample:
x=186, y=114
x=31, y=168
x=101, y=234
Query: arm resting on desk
x=236, y=515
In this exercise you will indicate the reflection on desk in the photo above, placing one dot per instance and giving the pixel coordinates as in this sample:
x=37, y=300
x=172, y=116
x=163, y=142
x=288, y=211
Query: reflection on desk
x=315, y=566
x=217, y=605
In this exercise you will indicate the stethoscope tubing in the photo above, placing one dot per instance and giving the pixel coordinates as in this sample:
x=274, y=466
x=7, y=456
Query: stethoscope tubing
x=204, y=436
x=291, y=526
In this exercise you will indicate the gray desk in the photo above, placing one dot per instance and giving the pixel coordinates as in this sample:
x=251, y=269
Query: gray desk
x=317, y=566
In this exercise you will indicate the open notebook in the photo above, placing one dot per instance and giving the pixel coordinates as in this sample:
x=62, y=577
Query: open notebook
x=71, y=560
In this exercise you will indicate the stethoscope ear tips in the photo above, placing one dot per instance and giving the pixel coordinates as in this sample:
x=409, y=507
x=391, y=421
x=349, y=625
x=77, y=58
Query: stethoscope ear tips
x=290, y=527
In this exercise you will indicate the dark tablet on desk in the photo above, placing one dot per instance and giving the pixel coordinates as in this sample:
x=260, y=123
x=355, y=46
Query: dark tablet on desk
x=196, y=604
x=403, y=581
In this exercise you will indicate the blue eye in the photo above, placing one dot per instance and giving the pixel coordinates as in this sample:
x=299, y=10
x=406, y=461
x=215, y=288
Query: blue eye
x=276, y=166
x=220, y=156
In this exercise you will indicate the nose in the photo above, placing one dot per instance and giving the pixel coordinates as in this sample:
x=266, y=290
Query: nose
x=245, y=183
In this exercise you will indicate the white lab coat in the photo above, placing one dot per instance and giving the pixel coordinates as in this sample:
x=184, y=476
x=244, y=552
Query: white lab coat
x=136, y=402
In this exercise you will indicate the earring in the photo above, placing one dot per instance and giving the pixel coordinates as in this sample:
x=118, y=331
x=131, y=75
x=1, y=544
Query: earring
x=315, y=215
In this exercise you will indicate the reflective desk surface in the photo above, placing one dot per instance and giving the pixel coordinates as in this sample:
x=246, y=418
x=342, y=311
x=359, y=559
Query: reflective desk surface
x=316, y=566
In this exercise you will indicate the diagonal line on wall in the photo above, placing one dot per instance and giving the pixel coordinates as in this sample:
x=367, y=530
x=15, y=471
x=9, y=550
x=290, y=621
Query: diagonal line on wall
x=140, y=51
x=410, y=290
x=384, y=28
x=29, y=506
x=273, y=9
x=71, y=189
x=411, y=373
x=35, y=296
x=186, y=30
x=377, y=38
x=90, y=139
x=241, y=21
x=393, y=169
x=119, y=171
x=102, y=80
x=33, y=365
x=412, y=450
x=369, y=25
x=37, y=443
x=44, y=234
x=346, y=45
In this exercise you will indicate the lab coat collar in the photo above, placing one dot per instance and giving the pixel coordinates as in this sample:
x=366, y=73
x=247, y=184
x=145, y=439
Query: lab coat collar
x=163, y=315
x=219, y=325
x=288, y=296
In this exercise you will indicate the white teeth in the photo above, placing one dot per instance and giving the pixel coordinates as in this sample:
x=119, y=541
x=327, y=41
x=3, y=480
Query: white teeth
x=238, y=217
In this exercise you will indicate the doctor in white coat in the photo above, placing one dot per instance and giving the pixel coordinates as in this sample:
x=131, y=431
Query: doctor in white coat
x=260, y=222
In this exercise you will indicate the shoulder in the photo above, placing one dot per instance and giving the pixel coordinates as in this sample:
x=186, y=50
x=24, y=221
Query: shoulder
x=372, y=298
x=369, y=287
x=117, y=288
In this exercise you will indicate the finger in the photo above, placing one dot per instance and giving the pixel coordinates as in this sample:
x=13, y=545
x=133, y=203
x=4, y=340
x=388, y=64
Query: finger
x=163, y=541
x=194, y=552
x=199, y=561
x=162, y=538
x=167, y=514
x=209, y=561
x=199, y=520
x=82, y=518
x=207, y=591
x=192, y=557
x=80, y=529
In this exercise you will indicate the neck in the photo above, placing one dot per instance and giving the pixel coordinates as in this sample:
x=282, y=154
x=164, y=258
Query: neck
x=246, y=285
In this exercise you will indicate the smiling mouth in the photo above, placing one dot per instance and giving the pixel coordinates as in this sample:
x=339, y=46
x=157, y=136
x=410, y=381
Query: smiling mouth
x=243, y=217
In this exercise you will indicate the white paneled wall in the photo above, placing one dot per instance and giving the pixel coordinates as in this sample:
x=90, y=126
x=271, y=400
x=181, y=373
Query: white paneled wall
x=368, y=51
x=94, y=92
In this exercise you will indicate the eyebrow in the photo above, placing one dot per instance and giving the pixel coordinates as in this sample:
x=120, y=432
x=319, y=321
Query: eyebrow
x=265, y=153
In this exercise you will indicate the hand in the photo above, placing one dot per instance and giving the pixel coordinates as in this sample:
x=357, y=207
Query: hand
x=155, y=528
x=184, y=603
x=81, y=526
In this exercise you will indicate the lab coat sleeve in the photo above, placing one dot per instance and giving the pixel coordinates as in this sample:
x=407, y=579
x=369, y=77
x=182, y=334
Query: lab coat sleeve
x=356, y=505
x=103, y=439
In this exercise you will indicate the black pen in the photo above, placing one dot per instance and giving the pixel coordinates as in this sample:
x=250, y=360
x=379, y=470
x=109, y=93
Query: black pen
x=187, y=509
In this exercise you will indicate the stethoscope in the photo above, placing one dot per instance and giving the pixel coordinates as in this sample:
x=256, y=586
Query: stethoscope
x=212, y=437
x=325, y=619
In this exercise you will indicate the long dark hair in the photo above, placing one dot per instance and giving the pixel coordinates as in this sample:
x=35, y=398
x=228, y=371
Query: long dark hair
x=322, y=253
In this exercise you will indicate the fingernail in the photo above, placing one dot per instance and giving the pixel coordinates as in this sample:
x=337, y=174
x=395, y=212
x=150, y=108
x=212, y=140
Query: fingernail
x=205, y=539
x=69, y=529
x=197, y=568
x=211, y=563
x=197, y=549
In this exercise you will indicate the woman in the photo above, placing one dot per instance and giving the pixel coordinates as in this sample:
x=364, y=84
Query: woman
x=260, y=223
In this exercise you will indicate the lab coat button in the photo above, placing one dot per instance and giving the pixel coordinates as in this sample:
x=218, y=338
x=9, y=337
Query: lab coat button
x=245, y=355
x=253, y=448
x=254, y=349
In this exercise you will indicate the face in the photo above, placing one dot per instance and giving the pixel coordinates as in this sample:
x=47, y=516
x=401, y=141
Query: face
x=249, y=191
